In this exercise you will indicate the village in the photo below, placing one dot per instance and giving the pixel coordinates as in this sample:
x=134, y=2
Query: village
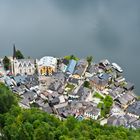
x=70, y=86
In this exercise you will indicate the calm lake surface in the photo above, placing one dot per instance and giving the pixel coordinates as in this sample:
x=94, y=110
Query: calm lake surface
x=101, y=28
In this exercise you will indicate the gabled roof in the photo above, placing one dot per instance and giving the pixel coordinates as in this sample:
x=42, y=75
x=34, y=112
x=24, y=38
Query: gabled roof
x=117, y=121
x=136, y=124
x=134, y=108
x=98, y=81
x=29, y=95
x=73, y=80
x=82, y=62
x=125, y=98
x=55, y=85
x=25, y=62
x=54, y=101
x=58, y=80
x=83, y=93
x=25, y=102
x=47, y=109
x=65, y=61
x=104, y=76
x=129, y=86
x=20, y=79
x=92, y=69
x=92, y=110
x=121, y=120
x=81, y=67
x=59, y=76
x=104, y=62
x=79, y=71
x=71, y=66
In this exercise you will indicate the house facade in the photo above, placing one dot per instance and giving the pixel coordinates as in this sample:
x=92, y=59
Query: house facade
x=92, y=112
x=23, y=66
x=80, y=68
x=64, y=65
x=125, y=100
x=47, y=65
x=100, y=81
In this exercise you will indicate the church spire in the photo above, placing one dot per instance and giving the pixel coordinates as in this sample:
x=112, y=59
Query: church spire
x=14, y=51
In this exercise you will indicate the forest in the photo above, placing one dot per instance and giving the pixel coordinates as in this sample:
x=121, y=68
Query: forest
x=33, y=124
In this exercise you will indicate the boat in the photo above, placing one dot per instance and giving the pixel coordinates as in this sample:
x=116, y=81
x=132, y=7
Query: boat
x=117, y=67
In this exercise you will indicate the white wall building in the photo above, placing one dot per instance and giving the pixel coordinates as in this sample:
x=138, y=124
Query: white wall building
x=47, y=65
x=23, y=66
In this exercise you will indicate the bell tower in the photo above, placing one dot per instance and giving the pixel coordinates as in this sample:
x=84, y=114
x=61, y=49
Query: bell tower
x=14, y=59
x=14, y=51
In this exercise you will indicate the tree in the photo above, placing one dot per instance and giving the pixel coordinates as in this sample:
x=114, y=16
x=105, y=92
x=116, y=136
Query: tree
x=37, y=125
x=70, y=123
x=89, y=60
x=87, y=84
x=72, y=56
x=69, y=57
x=19, y=55
x=7, y=99
x=6, y=63
x=22, y=124
x=106, y=105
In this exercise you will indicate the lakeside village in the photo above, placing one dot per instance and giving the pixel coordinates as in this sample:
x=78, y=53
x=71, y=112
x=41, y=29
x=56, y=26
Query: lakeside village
x=73, y=87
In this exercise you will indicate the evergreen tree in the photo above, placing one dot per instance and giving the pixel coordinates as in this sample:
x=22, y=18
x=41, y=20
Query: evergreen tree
x=89, y=60
x=7, y=99
x=87, y=84
x=19, y=55
x=6, y=63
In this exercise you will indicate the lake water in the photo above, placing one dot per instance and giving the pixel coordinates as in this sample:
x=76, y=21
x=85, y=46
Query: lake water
x=101, y=28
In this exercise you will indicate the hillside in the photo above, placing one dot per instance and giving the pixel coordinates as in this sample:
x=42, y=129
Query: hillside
x=33, y=124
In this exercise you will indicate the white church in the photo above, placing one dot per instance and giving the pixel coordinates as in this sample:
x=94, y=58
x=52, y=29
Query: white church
x=22, y=66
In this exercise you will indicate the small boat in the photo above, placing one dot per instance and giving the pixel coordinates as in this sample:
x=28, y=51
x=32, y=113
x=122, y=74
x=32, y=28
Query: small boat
x=117, y=67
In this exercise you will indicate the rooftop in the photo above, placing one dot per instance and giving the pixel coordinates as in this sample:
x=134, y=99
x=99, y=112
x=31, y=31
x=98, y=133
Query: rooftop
x=47, y=61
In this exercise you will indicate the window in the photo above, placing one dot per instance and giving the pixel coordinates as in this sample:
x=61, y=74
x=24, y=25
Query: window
x=29, y=65
x=29, y=70
x=20, y=70
x=41, y=71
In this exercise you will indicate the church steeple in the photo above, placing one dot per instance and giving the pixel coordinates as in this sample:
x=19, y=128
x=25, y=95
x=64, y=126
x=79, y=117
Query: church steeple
x=14, y=51
x=14, y=59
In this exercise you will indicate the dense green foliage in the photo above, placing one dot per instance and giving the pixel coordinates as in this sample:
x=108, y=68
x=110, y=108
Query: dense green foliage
x=19, y=55
x=6, y=99
x=33, y=124
x=19, y=124
x=6, y=63
x=87, y=84
x=105, y=106
x=89, y=59
x=70, y=87
x=97, y=95
x=71, y=57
